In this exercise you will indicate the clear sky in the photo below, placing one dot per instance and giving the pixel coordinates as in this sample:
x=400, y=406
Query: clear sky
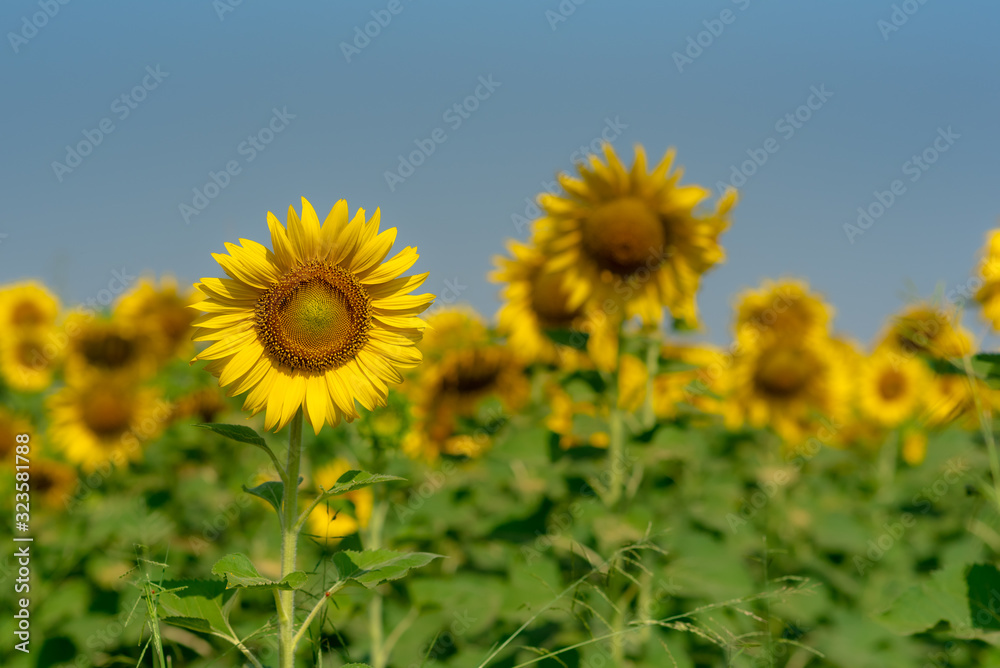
x=715, y=79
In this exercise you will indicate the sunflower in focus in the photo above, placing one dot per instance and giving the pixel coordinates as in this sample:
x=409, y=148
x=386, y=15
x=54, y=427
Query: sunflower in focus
x=161, y=313
x=332, y=524
x=536, y=301
x=780, y=310
x=106, y=347
x=789, y=386
x=318, y=322
x=632, y=238
x=464, y=372
x=925, y=330
x=27, y=306
x=29, y=359
x=892, y=387
x=988, y=294
x=106, y=418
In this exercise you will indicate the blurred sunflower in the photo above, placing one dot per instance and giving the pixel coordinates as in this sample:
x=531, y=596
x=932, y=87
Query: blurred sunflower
x=160, y=312
x=328, y=523
x=892, y=387
x=925, y=330
x=631, y=237
x=914, y=448
x=12, y=424
x=102, y=419
x=26, y=306
x=29, y=359
x=102, y=347
x=52, y=483
x=317, y=323
x=203, y=404
x=988, y=294
x=780, y=310
x=576, y=422
x=464, y=371
x=788, y=386
x=536, y=301
x=950, y=399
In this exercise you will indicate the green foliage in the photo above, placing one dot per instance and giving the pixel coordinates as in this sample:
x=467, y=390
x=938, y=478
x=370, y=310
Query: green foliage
x=240, y=572
x=371, y=568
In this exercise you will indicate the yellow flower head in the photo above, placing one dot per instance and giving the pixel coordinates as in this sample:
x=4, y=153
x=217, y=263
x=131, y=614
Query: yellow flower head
x=161, y=312
x=988, y=294
x=318, y=322
x=104, y=419
x=780, y=310
x=51, y=483
x=203, y=404
x=892, y=386
x=631, y=239
x=27, y=306
x=106, y=347
x=29, y=358
x=11, y=425
x=925, y=330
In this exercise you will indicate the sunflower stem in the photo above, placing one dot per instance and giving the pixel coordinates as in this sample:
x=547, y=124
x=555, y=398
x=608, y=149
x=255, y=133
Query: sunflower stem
x=376, y=530
x=289, y=539
x=652, y=367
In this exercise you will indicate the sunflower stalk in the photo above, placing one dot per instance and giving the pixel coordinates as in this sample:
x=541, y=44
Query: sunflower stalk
x=289, y=539
x=376, y=529
x=653, y=339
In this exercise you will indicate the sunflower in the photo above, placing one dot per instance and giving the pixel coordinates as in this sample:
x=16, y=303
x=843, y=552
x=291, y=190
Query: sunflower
x=892, y=387
x=951, y=399
x=52, y=483
x=160, y=312
x=788, y=385
x=11, y=425
x=106, y=418
x=26, y=306
x=779, y=310
x=988, y=294
x=29, y=358
x=537, y=301
x=925, y=330
x=464, y=372
x=330, y=524
x=317, y=323
x=203, y=404
x=914, y=448
x=101, y=347
x=631, y=238
x=575, y=421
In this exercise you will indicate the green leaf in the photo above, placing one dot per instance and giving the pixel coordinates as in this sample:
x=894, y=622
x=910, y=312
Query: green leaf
x=356, y=665
x=373, y=567
x=272, y=492
x=941, y=597
x=352, y=480
x=983, y=583
x=239, y=571
x=569, y=337
x=236, y=432
x=195, y=604
x=588, y=425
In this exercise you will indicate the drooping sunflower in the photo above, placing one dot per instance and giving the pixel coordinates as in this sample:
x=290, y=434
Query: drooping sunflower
x=318, y=322
x=988, y=294
x=101, y=347
x=892, y=387
x=105, y=419
x=26, y=306
x=630, y=238
x=160, y=312
x=461, y=375
x=29, y=358
x=924, y=330
x=780, y=310
x=789, y=386
x=536, y=300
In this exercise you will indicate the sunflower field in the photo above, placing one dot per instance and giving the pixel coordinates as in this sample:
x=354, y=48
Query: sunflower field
x=306, y=461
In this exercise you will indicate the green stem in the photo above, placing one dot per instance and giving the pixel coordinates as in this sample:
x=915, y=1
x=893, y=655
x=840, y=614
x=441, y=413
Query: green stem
x=376, y=528
x=289, y=538
x=652, y=367
x=616, y=455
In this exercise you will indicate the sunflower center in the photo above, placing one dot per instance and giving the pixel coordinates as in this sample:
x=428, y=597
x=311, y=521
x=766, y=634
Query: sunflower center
x=315, y=318
x=108, y=350
x=472, y=371
x=549, y=300
x=783, y=372
x=42, y=481
x=106, y=413
x=625, y=235
x=31, y=354
x=891, y=384
x=26, y=314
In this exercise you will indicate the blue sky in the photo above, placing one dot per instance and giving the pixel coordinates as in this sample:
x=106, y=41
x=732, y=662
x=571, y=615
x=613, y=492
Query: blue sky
x=896, y=76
